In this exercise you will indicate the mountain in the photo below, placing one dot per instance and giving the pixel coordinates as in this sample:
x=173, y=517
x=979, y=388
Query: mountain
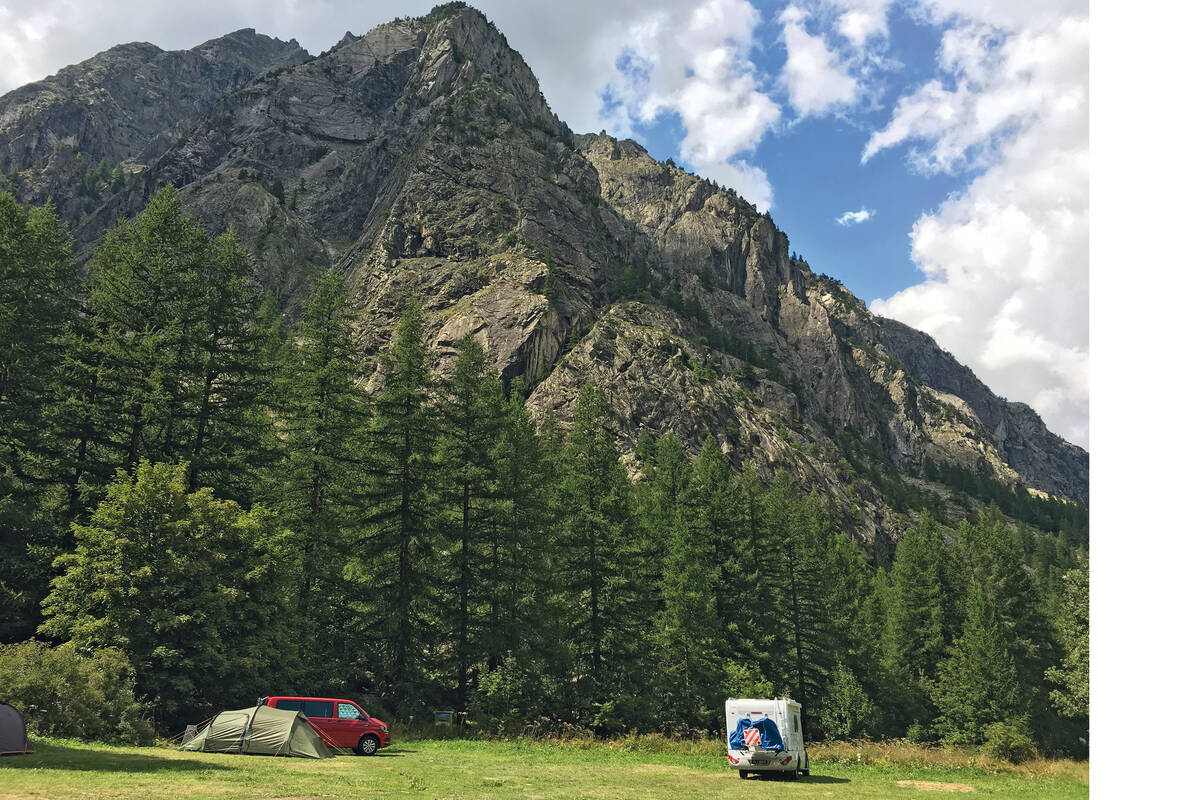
x=421, y=159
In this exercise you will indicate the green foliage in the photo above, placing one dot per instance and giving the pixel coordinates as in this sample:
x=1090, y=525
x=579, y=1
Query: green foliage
x=323, y=419
x=1010, y=741
x=977, y=682
x=1047, y=514
x=1071, y=694
x=599, y=552
x=441, y=549
x=470, y=416
x=744, y=679
x=925, y=600
x=443, y=11
x=188, y=586
x=162, y=364
x=62, y=692
x=394, y=573
x=846, y=712
x=38, y=303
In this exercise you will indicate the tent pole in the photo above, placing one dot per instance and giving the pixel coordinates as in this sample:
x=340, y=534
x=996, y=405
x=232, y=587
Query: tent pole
x=246, y=730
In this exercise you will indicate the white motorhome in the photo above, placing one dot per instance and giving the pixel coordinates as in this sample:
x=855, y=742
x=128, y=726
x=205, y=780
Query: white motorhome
x=765, y=736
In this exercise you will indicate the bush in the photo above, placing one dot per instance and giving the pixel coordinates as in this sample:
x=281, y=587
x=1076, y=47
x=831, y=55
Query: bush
x=63, y=693
x=847, y=712
x=920, y=733
x=1009, y=741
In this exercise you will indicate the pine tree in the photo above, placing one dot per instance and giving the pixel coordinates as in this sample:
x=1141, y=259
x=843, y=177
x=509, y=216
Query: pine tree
x=38, y=300
x=991, y=555
x=689, y=635
x=397, y=524
x=38, y=304
x=977, y=683
x=756, y=569
x=525, y=637
x=668, y=472
x=924, y=615
x=847, y=597
x=470, y=413
x=799, y=527
x=1071, y=675
x=519, y=533
x=598, y=544
x=323, y=421
x=134, y=363
x=226, y=416
x=710, y=512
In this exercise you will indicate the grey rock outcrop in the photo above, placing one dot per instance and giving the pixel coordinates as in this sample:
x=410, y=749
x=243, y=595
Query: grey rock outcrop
x=422, y=161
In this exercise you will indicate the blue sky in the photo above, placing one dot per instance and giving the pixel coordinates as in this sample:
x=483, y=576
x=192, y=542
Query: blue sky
x=950, y=135
x=817, y=175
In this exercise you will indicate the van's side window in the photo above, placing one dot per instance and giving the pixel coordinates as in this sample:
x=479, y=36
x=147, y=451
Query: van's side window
x=290, y=705
x=347, y=711
x=318, y=708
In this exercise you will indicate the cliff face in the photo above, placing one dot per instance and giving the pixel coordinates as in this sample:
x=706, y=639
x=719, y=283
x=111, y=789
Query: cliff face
x=129, y=103
x=422, y=161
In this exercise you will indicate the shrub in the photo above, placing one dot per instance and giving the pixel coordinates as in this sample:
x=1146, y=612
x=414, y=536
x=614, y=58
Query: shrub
x=1010, y=741
x=847, y=712
x=920, y=733
x=64, y=693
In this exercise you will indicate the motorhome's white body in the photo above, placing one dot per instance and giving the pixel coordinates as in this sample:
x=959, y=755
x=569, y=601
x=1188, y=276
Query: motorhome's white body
x=785, y=713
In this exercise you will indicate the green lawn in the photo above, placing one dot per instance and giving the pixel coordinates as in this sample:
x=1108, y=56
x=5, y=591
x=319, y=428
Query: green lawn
x=476, y=769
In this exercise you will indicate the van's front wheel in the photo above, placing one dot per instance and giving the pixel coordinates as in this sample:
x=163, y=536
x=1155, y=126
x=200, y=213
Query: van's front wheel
x=368, y=745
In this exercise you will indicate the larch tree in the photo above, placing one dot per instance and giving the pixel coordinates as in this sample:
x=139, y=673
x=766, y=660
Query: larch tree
x=470, y=415
x=323, y=419
x=397, y=526
x=39, y=304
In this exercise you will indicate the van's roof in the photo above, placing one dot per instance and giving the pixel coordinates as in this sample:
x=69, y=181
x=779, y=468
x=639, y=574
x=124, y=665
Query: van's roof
x=317, y=699
x=763, y=700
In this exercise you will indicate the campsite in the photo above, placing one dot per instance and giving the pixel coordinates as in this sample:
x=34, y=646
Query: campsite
x=374, y=423
x=421, y=767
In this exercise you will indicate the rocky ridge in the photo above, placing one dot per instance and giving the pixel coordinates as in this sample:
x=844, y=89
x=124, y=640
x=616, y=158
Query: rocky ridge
x=422, y=160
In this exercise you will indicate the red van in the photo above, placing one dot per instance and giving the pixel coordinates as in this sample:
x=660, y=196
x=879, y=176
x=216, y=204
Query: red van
x=341, y=723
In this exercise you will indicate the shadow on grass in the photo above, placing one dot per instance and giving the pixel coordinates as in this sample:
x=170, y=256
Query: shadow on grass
x=85, y=759
x=769, y=776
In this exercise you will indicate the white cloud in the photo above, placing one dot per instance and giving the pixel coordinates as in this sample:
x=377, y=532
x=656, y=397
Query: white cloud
x=861, y=20
x=1006, y=260
x=817, y=80
x=700, y=69
x=855, y=217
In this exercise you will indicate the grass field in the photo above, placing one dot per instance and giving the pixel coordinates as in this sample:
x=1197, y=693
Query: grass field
x=452, y=768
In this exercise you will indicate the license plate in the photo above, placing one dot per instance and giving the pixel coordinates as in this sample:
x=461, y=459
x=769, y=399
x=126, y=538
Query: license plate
x=760, y=761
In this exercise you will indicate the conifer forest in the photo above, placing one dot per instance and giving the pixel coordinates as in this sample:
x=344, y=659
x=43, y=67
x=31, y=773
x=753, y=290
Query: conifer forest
x=202, y=494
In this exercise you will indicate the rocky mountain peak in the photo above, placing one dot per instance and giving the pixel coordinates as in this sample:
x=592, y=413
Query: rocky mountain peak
x=255, y=51
x=422, y=161
x=346, y=39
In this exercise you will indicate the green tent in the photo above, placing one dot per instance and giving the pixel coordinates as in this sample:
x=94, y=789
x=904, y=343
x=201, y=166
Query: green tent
x=261, y=730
